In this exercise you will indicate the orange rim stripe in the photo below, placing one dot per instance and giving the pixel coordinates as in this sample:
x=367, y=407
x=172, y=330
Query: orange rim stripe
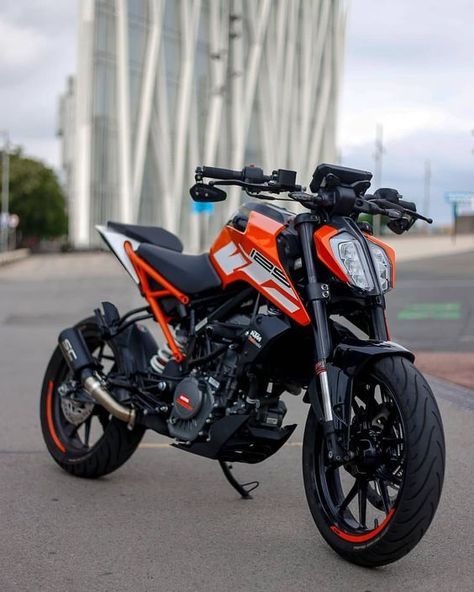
x=49, y=417
x=361, y=538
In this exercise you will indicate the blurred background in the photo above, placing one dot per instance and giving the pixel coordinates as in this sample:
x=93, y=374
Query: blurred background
x=119, y=101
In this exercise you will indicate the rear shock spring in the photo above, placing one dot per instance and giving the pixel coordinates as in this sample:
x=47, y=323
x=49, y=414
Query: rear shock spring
x=164, y=353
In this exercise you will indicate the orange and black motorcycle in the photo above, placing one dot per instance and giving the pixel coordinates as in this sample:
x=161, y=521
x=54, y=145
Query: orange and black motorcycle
x=282, y=303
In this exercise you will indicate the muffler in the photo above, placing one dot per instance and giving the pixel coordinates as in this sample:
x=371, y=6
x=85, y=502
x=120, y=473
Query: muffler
x=84, y=367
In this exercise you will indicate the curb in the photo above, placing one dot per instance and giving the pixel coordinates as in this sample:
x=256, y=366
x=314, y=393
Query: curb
x=12, y=256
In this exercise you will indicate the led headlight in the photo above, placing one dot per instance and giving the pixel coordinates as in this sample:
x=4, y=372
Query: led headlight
x=351, y=257
x=382, y=265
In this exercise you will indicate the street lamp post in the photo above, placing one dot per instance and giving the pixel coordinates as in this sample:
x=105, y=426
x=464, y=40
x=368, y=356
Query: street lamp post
x=5, y=191
x=378, y=161
x=427, y=188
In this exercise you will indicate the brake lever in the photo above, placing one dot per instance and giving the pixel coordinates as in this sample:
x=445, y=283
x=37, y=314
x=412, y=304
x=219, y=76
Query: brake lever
x=420, y=217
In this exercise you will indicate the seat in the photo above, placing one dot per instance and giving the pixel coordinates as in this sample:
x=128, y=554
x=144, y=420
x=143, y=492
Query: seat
x=153, y=235
x=189, y=273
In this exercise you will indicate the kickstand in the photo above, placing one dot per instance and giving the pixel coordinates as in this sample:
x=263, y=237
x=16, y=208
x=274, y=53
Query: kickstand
x=243, y=488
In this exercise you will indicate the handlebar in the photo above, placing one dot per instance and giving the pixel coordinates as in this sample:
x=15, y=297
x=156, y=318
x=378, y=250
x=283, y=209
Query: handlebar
x=218, y=173
x=336, y=199
x=251, y=178
x=251, y=174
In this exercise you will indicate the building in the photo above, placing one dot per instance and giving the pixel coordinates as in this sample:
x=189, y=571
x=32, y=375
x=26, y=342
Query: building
x=165, y=85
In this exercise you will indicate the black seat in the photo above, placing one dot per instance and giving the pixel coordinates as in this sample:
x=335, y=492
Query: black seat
x=153, y=235
x=189, y=273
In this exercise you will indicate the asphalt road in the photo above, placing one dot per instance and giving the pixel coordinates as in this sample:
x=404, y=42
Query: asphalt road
x=168, y=521
x=432, y=306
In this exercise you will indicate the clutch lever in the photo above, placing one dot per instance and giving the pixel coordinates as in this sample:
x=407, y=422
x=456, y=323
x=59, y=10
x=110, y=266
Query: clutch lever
x=403, y=210
x=420, y=217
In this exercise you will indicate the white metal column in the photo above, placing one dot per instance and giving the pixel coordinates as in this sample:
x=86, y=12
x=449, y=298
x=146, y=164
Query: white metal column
x=80, y=211
x=123, y=115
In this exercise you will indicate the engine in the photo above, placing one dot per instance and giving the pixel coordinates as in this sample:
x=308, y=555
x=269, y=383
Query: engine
x=199, y=399
x=193, y=405
x=226, y=385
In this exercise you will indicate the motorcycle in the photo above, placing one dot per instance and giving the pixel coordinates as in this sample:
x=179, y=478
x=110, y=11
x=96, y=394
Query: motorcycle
x=283, y=302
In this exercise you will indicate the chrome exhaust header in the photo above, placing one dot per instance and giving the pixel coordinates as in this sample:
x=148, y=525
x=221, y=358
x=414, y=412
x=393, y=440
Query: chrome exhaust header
x=94, y=387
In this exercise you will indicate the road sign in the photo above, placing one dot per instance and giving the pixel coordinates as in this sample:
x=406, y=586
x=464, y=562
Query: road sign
x=459, y=197
x=9, y=220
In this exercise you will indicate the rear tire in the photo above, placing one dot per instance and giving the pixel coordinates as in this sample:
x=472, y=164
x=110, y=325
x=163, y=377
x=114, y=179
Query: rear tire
x=418, y=471
x=116, y=444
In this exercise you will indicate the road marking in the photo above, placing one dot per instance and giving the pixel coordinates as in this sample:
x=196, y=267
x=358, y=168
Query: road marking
x=164, y=445
x=439, y=311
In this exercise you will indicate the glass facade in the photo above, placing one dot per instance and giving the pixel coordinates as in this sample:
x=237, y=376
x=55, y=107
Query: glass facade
x=230, y=80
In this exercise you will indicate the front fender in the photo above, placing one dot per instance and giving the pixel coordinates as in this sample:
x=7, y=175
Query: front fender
x=349, y=358
x=352, y=355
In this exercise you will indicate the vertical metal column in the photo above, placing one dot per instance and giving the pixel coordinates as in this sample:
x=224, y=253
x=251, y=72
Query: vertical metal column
x=5, y=191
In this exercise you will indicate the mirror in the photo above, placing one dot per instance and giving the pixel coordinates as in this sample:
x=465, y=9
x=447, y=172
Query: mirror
x=400, y=225
x=201, y=192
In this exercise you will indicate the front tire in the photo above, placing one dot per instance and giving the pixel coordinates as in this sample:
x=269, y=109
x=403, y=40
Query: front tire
x=83, y=438
x=376, y=508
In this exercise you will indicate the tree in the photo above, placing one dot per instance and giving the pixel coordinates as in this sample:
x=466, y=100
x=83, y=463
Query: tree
x=37, y=198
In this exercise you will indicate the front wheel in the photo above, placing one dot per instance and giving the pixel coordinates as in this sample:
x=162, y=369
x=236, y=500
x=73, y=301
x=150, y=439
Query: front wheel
x=376, y=508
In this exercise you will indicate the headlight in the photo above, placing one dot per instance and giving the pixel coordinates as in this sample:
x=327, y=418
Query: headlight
x=382, y=266
x=351, y=257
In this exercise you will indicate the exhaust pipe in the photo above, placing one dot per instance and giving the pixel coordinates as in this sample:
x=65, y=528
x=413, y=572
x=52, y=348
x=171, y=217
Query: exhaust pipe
x=83, y=365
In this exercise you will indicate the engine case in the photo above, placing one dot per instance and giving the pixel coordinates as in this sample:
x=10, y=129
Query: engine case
x=192, y=405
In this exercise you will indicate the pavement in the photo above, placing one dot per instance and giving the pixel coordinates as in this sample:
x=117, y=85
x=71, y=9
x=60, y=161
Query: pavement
x=167, y=520
x=431, y=311
x=425, y=246
x=13, y=256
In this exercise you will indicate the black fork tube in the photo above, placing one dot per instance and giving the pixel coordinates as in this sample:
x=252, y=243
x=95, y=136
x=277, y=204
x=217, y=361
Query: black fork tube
x=317, y=294
x=314, y=293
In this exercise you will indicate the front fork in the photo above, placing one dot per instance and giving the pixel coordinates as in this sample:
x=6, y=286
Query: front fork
x=317, y=294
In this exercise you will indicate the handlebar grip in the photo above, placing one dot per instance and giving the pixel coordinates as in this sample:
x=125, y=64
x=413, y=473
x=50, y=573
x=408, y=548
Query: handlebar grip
x=217, y=173
x=408, y=205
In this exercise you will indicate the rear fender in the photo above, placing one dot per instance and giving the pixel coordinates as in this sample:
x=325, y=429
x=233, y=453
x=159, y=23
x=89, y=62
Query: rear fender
x=137, y=346
x=349, y=359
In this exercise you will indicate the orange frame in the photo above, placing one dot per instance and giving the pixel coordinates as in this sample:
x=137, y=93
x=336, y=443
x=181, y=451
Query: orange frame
x=145, y=272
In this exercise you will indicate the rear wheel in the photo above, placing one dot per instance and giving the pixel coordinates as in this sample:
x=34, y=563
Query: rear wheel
x=376, y=508
x=82, y=437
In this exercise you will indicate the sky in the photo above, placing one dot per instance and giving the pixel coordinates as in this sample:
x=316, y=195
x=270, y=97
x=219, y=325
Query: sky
x=37, y=53
x=408, y=65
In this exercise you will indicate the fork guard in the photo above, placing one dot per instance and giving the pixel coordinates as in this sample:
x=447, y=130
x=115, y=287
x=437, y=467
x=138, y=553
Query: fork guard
x=350, y=357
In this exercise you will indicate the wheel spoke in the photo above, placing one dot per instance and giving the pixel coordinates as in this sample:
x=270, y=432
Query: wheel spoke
x=388, y=477
x=350, y=496
x=101, y=351
x=384, y=493
x=70, y=430
x=362, y=497
x=87, y=430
